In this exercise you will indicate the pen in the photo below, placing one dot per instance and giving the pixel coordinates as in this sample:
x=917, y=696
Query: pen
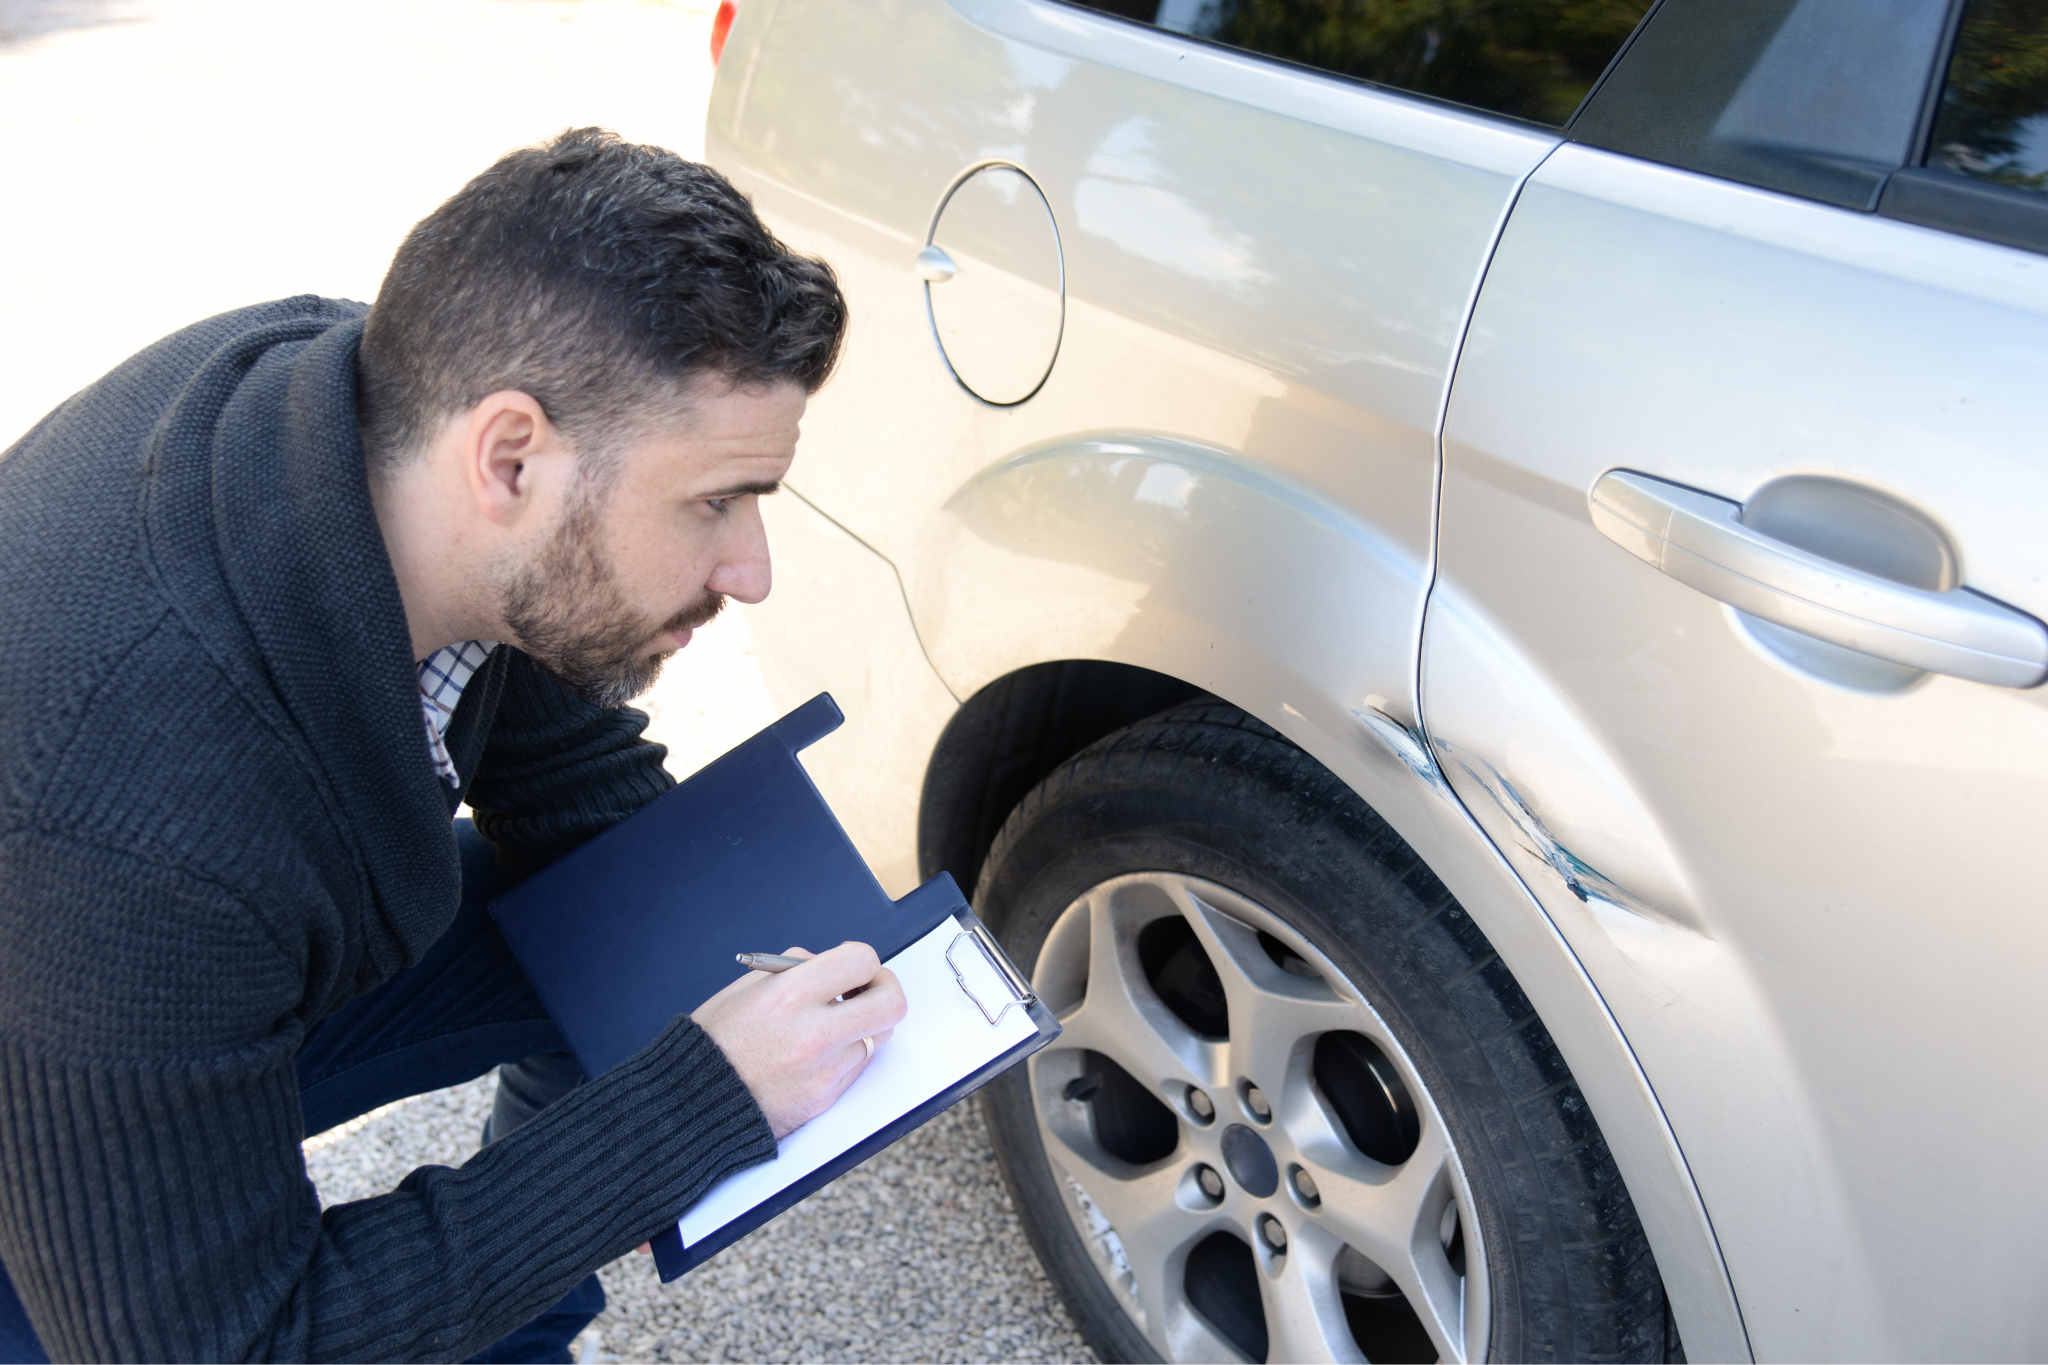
x=767, y=962
x=777, y=962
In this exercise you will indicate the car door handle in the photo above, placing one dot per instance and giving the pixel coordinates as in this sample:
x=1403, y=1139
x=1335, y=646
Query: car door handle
x=1700, y=540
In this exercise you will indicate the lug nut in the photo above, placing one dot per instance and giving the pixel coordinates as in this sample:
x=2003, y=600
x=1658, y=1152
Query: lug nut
x=1274, y=1235
x=1305, y=1186
x=1256, y=1104
x=1201, y=1105
x=1211, y=1183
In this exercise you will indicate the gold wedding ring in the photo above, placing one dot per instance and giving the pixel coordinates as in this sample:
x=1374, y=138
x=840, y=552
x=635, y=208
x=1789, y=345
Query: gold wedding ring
x=869, y=1044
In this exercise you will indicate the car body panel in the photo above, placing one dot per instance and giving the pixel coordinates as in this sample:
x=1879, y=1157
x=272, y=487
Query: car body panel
x=1171, y=555
x=1800, y=891
x=1341, y=400
x=836, y=623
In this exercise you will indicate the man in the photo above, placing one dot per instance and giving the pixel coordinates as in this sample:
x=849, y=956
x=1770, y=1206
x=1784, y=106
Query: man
x=278, y=594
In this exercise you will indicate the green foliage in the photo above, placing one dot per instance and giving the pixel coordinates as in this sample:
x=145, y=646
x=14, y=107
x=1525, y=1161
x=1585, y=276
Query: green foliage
x=1997, y=80
x=1533, y=59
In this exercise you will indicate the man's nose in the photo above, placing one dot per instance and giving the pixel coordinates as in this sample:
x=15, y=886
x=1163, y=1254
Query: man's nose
x=743, y=573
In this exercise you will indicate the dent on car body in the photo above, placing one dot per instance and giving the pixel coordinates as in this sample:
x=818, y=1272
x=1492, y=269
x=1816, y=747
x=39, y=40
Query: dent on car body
x=1403, y=741
x=1581, y=878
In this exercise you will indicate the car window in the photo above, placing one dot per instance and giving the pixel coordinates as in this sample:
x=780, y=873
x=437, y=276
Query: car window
x=1818, y=98
x=1528, y=59
x=1985, y=169
x=1992, y=123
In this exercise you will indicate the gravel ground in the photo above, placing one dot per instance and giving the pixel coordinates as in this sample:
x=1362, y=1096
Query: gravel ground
x=168, y=159
x=914, y=1255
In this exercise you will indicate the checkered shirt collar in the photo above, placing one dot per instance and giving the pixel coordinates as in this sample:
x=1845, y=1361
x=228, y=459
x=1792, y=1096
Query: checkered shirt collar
x=443, y=675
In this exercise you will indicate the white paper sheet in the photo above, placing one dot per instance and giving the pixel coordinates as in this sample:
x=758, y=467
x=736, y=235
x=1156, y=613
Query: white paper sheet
x=943, y=1039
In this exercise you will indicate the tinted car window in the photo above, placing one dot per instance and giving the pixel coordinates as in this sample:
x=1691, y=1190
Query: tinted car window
x=1992, y=124
x=1819, y=98
x=1529, y=59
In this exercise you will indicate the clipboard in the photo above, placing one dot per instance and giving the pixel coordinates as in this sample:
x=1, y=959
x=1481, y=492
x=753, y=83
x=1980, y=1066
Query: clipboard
x=641, y=924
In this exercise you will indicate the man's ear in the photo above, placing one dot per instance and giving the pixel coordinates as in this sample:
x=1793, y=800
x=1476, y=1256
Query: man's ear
x=506, y=441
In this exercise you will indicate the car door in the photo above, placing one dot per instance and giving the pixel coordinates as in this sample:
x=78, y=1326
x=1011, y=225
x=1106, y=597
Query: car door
x=1735, y=629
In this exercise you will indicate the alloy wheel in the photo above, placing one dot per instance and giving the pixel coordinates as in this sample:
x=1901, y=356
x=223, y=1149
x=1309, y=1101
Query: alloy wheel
x=1249, y=1155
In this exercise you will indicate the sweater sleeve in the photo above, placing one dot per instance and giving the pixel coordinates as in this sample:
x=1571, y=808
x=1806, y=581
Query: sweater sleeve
x=557, y=770
x=154, y=1204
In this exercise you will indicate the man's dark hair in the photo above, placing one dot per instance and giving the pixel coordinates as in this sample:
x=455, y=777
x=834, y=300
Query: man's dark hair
x=599, y=277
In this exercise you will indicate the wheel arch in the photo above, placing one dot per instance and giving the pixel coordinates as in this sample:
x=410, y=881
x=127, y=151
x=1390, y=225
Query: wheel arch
x=1013, y=732
x=1073, y=588
x=1007, y=737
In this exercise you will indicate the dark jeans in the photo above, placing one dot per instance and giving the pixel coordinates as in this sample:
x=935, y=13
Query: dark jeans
x=463, y=1010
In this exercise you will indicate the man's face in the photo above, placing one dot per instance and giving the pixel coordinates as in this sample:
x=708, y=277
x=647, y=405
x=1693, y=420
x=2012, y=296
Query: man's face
x=628, y=573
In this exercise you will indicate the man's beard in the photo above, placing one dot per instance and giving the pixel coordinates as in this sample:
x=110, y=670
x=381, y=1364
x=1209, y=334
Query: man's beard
x=568, y=615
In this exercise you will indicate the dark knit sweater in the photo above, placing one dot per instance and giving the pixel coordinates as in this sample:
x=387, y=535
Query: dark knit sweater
x=219, y=821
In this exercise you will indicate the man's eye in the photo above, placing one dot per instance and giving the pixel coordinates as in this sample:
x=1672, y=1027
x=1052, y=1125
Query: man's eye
x=720, y=505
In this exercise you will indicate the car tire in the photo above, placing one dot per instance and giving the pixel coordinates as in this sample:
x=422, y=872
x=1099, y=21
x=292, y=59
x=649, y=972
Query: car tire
x=1301, y=1109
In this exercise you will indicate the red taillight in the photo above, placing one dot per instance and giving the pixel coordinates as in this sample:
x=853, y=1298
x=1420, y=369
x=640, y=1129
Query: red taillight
x=721, y=24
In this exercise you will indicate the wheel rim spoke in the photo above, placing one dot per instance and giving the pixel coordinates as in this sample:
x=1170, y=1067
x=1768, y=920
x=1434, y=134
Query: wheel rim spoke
x=1377, y=1208
x=1273, y=1013
x=1304, y=1312
x=1120, y=1017
x=1392, y=1217
x=1142, y=1209
x=1152, y=1231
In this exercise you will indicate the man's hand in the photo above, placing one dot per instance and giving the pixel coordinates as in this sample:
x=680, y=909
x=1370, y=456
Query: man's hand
x=795, y=1045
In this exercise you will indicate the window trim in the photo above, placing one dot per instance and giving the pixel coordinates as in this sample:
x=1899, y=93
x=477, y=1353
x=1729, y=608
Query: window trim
x=1970, y=208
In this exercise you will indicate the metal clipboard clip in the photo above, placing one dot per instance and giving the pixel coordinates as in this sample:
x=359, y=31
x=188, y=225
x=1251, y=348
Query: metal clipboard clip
x=1020, y=991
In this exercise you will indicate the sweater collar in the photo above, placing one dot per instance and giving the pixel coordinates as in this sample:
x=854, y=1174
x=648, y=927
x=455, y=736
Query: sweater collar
x=259, y=522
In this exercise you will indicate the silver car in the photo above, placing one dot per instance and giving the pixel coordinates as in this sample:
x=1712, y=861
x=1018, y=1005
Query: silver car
x=1461, y=580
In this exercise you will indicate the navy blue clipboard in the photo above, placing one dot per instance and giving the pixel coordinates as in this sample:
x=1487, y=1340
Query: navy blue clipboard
x=641, y=924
